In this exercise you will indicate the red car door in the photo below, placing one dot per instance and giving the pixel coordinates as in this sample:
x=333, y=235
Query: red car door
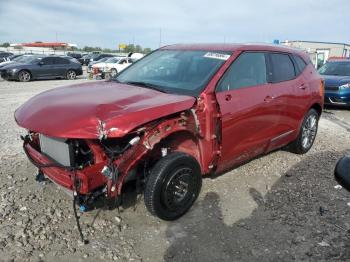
x=248, y=119
x=283, y=84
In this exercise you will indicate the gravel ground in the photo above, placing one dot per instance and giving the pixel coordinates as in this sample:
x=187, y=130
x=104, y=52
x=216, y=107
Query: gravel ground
x=280, y=207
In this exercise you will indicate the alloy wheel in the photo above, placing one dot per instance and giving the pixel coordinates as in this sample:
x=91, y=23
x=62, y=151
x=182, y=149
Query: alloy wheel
x=309, y=131
x=71, y=75
x=24, y=76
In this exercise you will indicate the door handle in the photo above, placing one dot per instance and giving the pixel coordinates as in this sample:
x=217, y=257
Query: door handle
x=268, y=98
x=228, y=97
x=303, y=86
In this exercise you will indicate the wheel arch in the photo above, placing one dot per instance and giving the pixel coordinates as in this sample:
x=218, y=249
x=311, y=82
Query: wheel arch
x=27, y=70
x=317, y=107
x=182, y=141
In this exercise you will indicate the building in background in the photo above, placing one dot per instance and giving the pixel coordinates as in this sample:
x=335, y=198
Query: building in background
x=39, y=48
x=320, y=52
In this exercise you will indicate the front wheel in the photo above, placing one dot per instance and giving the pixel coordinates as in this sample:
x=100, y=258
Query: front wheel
x=71, y=75
x=24, y=76
x=307, y=133
x=173, y=186
x=114, y=72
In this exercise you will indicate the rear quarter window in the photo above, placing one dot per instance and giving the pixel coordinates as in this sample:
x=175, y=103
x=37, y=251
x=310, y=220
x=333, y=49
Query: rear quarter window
x=281, y=68
x=300, y=63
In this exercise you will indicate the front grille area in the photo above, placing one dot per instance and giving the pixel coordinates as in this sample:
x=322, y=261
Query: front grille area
x=57, y=149
x=331, y=88
x=3, y=74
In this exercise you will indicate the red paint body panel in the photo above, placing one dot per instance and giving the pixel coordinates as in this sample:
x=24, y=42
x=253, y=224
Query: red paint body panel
x=219, y=132
x=90, y=178
x=75, y=111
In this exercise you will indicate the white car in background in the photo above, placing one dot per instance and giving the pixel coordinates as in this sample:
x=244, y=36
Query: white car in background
x=113, y=65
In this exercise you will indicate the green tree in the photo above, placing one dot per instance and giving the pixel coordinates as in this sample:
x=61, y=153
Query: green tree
x=6, y=44
x=147, y=50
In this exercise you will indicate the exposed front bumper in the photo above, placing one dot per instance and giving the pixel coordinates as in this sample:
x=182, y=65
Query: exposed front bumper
x=9, y=75
x=341, y=97
x=89, y=178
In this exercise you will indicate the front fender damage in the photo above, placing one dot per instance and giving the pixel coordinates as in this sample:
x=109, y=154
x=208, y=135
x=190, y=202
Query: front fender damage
x=150, y=136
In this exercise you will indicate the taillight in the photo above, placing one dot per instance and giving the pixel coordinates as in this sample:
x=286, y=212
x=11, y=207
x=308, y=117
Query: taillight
x=322, y=88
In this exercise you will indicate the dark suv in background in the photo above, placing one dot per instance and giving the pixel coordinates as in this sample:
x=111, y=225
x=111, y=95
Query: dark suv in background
x=85, y=60
x=42, y=67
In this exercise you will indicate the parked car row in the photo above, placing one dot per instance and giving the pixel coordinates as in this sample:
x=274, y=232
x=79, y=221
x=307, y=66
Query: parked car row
x=25, y=68
x=85, y=60
x=112, y=66
x=5, y=55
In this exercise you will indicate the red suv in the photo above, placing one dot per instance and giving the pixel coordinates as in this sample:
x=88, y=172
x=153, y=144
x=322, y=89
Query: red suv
x=181, y=112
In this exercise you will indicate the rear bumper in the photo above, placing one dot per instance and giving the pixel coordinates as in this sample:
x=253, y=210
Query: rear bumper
x=89, y=179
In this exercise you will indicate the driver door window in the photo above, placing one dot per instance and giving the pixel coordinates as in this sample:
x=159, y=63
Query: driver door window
x=249, y=69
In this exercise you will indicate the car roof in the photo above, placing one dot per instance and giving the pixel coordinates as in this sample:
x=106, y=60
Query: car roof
x=233, y=47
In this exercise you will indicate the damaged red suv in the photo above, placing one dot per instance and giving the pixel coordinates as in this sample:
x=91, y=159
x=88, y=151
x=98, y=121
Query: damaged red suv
x=179, y=113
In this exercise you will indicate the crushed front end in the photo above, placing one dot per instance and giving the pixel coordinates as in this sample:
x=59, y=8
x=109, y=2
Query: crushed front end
x=84, y=167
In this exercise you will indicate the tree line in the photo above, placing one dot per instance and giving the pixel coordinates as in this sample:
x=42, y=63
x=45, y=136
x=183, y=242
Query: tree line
x=128, y=48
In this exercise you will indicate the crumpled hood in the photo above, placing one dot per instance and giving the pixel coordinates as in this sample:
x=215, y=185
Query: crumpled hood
x=97, y=109
x=331, y=80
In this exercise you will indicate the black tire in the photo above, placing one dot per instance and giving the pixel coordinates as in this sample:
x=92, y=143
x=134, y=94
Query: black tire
x=24, y=76
x=173, y=186
x=71, y=74
x=114, y=72
x=299, y=146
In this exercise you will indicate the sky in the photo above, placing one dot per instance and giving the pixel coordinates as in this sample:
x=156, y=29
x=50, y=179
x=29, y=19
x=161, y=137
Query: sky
x=159, y=22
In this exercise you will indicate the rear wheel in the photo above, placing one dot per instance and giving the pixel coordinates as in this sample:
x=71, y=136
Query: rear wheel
x=173, y=186
x=24, y=76
x=71, y=75
x=307, y=133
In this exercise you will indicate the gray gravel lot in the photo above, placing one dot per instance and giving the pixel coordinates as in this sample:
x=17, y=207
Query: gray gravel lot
x=266, y=210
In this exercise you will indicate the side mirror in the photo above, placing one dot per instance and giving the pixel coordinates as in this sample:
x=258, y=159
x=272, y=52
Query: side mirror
x=342, y=172
x=41, y=63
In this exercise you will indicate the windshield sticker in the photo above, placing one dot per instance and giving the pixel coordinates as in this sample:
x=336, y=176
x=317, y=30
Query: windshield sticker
x=217, y=56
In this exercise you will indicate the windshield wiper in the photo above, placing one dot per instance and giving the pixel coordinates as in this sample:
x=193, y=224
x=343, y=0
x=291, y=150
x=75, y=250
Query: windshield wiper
x=145, y=84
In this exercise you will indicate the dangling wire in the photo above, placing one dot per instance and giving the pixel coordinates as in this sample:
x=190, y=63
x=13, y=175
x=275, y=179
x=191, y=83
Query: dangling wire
x=85, y=241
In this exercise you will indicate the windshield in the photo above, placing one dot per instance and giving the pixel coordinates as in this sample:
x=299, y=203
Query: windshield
x=336, y=69
x=112, y=60
x=103, y=59
x=25, y=58
x=175, y=71
x=34, y=59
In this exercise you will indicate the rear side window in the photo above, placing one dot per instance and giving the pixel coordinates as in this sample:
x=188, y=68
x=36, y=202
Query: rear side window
x=61, y=61
x=48, y=60
x=249, y=69
x=282, y=68
x=300, y=63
